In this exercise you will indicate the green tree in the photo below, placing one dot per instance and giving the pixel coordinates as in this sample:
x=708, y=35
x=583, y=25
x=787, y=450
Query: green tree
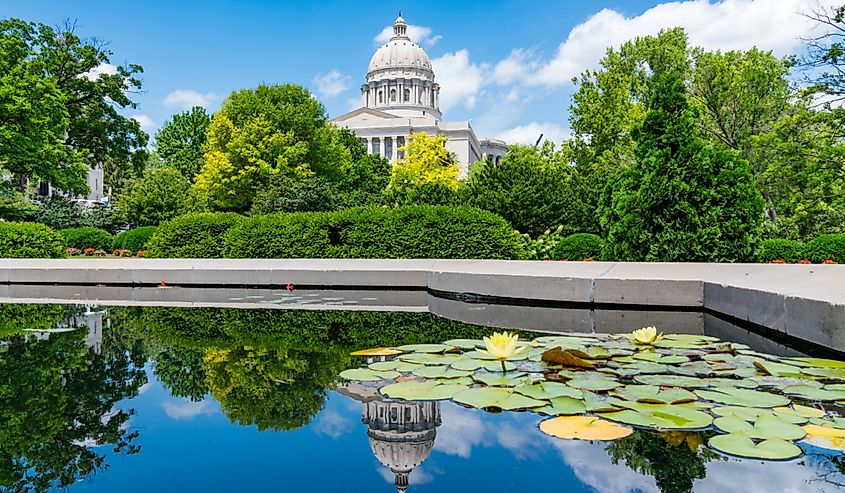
x=683, y=200
x=266, y=131
x=180, y=141
x=532, y=188
x=426, y=174
x=673, y=458
x=160, y=194
x=75, y=74
x=825, y=60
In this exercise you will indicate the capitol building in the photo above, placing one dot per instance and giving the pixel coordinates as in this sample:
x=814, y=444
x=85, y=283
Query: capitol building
x=400, y=97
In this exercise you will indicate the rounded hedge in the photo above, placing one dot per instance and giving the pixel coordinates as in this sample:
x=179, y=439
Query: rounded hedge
x=198, y=235
x=579, y=246
x=826, y=247
x=402, y=232
x=134, y=240
x=30, y=240
x=777, y=249
x=82, y=238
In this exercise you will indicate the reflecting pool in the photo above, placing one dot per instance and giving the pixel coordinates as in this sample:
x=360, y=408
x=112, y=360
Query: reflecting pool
x=132, y=399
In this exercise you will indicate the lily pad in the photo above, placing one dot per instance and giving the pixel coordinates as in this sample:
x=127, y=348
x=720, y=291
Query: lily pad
x=548, y=390
x=440, y=372
x=654, y=394
x=566, y=357
x=465, y=343
x=739, y=445
x=765, y=427
x=479, y=355
x=596, y=403
x=469, y=364
x=379, y=351
x=429, y=390
x=672, y=380
x=752, y=414
x=742, y=397
x=799, y=410
x=429, y=359
x=814, y=394
x=663, y=417
x=395, y=365
x=367, y=375
x=783, y=382
x=655, y=357
x=496, y=397
x=831, y=373
x=509, y=379
x=594, y=384
x=425, y=348
x=584, y=428
x=563, y=405
x=817, y=362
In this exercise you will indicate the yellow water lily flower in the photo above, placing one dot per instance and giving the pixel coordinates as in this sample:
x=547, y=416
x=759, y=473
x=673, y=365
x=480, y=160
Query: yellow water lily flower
x=502, y=345
x=646, y=335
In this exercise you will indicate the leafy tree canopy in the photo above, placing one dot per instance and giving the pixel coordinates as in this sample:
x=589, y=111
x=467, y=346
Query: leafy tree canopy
x=180, y=141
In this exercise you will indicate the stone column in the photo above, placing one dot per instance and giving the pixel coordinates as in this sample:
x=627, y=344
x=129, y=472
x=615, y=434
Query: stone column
x=395, y=149
x=369, y=145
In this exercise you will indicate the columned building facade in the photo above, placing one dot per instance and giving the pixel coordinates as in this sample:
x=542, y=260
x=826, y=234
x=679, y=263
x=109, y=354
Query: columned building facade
x=400, y=97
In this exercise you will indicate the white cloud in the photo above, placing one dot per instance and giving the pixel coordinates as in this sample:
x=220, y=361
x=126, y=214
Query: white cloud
x=460, y=80
x=418, y=34
x=516, y=67
x=332, y=84
x=103, y=68
x=775, y=25
x=187, y=98
x=185, y=409
x=147, y=123
x=333, y=424
x=529, y=133
x=592, y=466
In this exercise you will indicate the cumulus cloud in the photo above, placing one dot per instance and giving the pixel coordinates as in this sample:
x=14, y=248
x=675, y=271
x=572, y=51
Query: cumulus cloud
x=775, y=25
x=418, y=34
x=461, y=81
x=147, y=123
x=188, y=98
x=332, y=84
x=529, y=133
x=103, y=68
x=518, y=65
x=333, y=424
x=184, y=409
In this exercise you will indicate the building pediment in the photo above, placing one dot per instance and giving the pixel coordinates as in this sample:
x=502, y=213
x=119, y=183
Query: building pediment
x=365, y=114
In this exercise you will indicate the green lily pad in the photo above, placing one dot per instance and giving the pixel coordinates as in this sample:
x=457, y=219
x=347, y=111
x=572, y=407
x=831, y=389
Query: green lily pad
x=752, y=414
x=783, y=382
x=429, y=390
x=663, y=417
x=814, y=394
x=645, y=367
x=509, y=379
x=765, y=427
x=831, y=373
x=440, y=372
x=429, y=359
x=563, y=405
x=596, y=403
x=732, y=382
x=395, y=365
x=693, y=369
x=672, y=380
x=831, y=421
x=655, y=357
x=465, y=343
x=817, y=362
x=548, y=390
x=496, y=397
x=367, y=375
x=778, y=369
x=469, y=364
x=425, y=348
x=566, y=342
x=594, y=384
x=742, y=397
x=654, y=394
x=484, y=356
x=739, y=445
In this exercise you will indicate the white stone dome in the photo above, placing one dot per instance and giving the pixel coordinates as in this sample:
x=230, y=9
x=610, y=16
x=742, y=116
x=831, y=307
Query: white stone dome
x=400, y=52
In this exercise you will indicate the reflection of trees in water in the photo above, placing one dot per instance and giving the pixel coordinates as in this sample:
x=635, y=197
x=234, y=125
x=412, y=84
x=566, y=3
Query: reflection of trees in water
x=57, y=401
x=675, y=459
x=180, y=370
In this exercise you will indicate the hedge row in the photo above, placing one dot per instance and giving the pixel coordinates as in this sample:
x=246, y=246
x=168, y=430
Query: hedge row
x=133, y=240
x=30, y=240
x=404, y=232
x=817, y=250
x=579, y=246
x=87, y=237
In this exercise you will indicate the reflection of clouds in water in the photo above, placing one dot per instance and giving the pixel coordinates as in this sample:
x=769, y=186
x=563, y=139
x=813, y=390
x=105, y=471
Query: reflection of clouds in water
x=144, y=388
x=332, y=424
x=463, y=429
x=419, y=475
x=593, y=467
x=186, y=409
x=757, y=477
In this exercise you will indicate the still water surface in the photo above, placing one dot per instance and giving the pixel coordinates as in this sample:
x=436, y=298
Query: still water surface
x=208, y=400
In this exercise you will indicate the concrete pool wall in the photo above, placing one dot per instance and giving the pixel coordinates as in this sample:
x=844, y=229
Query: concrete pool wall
x=803, y=301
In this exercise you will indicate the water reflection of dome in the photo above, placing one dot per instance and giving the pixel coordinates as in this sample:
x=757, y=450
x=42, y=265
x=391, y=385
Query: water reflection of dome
x=401, y=433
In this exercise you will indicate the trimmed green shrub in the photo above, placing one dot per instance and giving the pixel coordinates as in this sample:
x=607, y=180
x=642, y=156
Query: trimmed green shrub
x=826, y=247
x=198, y=235
x=578, y=247
x=403, y=232
x=82, y=238
x=778, y=249
x=134, y=240
x=30, y=240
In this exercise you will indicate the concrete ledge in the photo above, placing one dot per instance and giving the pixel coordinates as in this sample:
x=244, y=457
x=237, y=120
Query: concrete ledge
x=804, y=301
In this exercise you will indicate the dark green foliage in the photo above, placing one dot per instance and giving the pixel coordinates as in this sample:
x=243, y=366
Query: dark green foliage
x=776, y=249
x=179, y=142
x=14, y=206
x=134, y=239
x=161, y=194
x=404, y=232
x=532, y=188
x=60, y=212
x=422, y=194
x=15, y=318
x=287, y=194
x=674, y=462
x=197, y=235
x=82, y=238
x=30, y=240
x=578, y=247
x=826, y=247
x=682, y=200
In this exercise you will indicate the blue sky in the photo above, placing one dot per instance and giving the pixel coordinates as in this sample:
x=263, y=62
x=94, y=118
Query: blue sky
x=504, y=65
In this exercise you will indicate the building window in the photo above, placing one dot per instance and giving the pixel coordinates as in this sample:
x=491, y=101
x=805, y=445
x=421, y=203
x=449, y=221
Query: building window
x=376, y=146
x=407, y=95
x=400, y=143
x=379, y=97
x=388, y=147
x=393, y=94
